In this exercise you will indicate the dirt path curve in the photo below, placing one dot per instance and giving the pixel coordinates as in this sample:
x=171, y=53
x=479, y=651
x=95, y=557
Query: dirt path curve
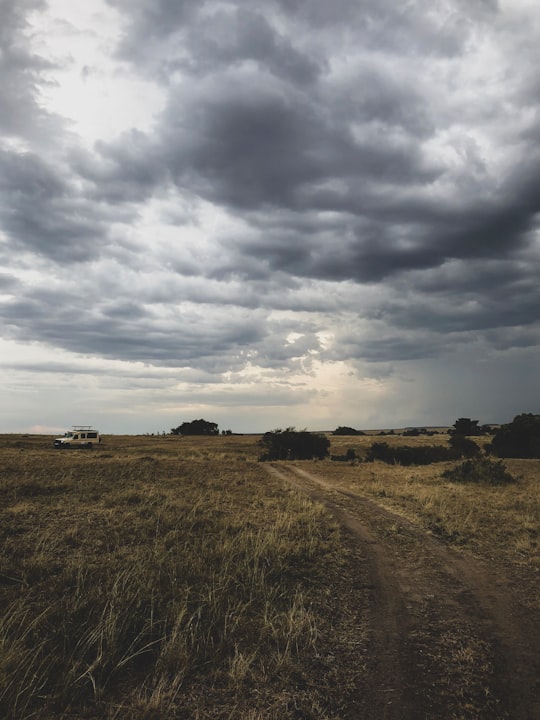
x=449, y=639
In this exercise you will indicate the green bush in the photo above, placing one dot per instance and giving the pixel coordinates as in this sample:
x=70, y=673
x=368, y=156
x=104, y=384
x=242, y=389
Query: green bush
x=480, y=470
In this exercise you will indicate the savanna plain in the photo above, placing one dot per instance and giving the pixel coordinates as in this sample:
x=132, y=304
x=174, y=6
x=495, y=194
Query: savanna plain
x=178, y=577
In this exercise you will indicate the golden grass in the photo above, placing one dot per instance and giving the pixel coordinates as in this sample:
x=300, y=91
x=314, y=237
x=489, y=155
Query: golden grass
x=168, y=577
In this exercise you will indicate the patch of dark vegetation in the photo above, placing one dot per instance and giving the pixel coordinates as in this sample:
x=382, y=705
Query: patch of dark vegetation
x=480, y=470
x=459, y=447
x=34, y=489
x=20, y=444
x=350, y=456
x=416, y=432
x=291, y=444
x=439, y=528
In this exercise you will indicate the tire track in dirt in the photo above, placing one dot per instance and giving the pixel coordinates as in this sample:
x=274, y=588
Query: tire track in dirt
x=449, y=639
x=388, y=688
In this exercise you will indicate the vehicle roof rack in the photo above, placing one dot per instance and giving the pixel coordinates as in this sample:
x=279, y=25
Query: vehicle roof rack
x=82, y=427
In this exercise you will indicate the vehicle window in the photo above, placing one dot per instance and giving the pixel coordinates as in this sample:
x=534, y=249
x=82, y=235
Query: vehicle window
x=75, y=437
x=91, y=435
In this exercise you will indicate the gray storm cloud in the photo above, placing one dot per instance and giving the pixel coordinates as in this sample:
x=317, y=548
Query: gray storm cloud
x=363, y=172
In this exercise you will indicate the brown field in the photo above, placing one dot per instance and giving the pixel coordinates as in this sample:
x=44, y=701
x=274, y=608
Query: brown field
x=169, y=577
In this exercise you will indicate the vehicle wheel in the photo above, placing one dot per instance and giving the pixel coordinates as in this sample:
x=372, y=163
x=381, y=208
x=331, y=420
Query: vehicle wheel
x=89, y=446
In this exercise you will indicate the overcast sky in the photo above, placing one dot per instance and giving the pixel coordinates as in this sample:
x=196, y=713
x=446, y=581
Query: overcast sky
x=289, y=212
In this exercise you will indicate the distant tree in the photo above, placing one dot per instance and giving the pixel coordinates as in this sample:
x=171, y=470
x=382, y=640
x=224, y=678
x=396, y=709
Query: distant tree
x=344, y=430
x=196, y=427
x=466, y=426
x=518, y=439
x=291, y=444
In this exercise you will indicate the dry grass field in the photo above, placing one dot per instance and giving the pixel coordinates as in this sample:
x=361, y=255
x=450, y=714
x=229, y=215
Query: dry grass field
x=500, y=523
x=170, y=577
x=162, y=577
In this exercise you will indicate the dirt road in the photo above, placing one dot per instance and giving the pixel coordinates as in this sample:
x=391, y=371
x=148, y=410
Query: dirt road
x=449, y=639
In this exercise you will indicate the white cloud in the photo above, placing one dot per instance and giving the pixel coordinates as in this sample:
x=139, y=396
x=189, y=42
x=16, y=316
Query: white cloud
x=98, y=95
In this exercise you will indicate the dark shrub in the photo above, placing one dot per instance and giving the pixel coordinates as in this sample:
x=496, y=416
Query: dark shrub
x=408, y=455
x=381, y=451
x=463, y=447
x=291, y=444
x=518, y=439
x=349, y=456
x=480, y=470
x=424, y=454
x=412, y=432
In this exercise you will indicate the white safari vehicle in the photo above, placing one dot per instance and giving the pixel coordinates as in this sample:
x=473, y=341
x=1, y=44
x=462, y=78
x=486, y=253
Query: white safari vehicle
x=81, y=436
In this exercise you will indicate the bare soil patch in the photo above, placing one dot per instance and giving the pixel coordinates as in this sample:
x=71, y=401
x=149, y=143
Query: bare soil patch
x=450, y=639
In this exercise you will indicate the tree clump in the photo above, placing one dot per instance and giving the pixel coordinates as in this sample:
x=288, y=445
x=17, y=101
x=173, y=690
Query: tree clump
x=196, y=427
x=345, y=430
x=291, y=444
x=407, y=455
x=518, y=439
x=466, y=426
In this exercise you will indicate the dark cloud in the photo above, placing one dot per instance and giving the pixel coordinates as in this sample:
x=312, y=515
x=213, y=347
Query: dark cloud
x=19, y=68
x=199, y=39
x=22, y=73
x=229, y=39
x=8, y=284
x=42, y=211
x=250, y=139
x=122, y=173
x=148, y=24
x=186, y=335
